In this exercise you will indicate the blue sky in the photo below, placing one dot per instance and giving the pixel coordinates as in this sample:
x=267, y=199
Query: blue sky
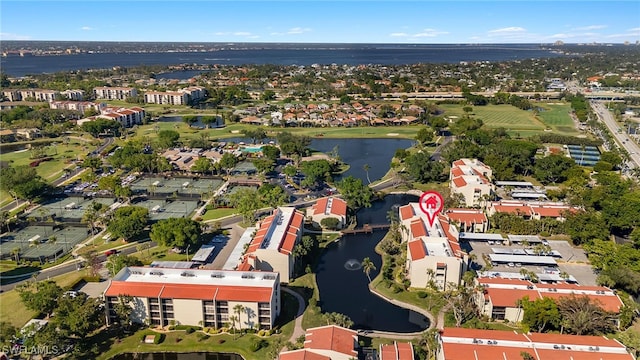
x=542, y=21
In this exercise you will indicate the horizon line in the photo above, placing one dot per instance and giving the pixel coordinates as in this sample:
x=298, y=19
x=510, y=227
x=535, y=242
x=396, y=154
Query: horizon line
x=636, y=42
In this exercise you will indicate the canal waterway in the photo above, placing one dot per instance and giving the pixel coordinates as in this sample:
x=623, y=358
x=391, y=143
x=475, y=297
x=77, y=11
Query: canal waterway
x=343, y=285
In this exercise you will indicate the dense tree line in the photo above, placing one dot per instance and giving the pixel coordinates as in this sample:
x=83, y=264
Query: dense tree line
x=23, y=182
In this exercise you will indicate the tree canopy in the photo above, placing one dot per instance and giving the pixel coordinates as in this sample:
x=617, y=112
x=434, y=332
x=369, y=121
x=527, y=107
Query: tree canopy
x=355, y=192
x=176, y=232
x=128, y=221
x=41, y=297
x=23, y=182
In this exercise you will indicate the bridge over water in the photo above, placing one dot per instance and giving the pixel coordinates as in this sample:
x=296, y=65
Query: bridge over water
x=365, y=229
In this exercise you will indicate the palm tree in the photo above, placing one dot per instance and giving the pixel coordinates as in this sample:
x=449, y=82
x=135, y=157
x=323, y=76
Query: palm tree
x=16, y=253
x=366, y=168
x=233, y=319
x=367, y=266
x=90, y=217
x=5, y=219
x=52, y=240
x=238, y=309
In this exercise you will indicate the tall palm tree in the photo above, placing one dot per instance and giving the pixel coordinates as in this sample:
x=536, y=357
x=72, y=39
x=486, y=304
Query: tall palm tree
x=367, y=266
x=16, y=253
x=233, y=320
x=366, y=168
x=238, y=309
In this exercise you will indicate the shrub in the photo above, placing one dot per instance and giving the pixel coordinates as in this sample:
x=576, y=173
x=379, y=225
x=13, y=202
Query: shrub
x=178, y=339
x=221, y=341
x=158, y=339
x=257, y=345
x=422, y=294
x=189, y=330
x=202, y=337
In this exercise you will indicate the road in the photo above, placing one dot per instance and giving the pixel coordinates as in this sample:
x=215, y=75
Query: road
x=622, y=138
x=67, y=267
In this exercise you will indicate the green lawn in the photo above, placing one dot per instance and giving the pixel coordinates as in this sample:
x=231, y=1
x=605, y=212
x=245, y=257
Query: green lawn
x=215, y=214
x=12, y=310
x=179, y=341
x=556, y=116
x=501, y=116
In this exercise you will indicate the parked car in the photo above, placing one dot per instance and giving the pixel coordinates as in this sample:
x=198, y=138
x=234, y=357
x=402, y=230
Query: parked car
x=111, y=252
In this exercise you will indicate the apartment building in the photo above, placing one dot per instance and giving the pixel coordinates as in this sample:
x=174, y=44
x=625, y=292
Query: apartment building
x=326, y=343
x=328, y=207
x=271, y=248
x=537, y=210
x=472, y=179
x=461, y=343
x=181, y=97
x=126, y=117
x=397, y=351
x=500, y=296
x=30, y=94
x=434, y=256
x=81, y=106
x=163, y=296
x=73, y=95
x=468, y=220
x=114, y=93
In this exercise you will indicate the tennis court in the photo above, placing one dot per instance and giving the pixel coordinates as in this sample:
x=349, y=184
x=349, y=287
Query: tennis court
x=41, y=243
x=69, y=208
x=164, y=209
x=244, y=167
x=182, y=186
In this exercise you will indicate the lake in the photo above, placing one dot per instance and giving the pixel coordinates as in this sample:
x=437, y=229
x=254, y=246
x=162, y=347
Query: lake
x=343, y=286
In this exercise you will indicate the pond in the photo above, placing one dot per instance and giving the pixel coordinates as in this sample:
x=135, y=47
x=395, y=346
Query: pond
x=343, y=285
x=377, y=153
x=177, y=356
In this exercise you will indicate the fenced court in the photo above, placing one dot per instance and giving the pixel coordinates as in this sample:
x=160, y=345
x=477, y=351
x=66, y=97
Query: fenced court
x=244, y=167
x=41, y=243
x=182, y=186
x=164, y=209
x=70, y=208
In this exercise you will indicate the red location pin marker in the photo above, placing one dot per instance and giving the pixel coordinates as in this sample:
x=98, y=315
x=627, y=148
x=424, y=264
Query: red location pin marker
x=431, y=203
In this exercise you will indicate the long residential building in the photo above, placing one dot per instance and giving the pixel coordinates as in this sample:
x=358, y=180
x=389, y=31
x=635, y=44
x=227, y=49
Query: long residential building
x=271, y=248
x=162, y=296
x=81, y=106
x=532, y=209
x=30, y=95
x=434, y=256
x=499, y=298
x=114, y=93
x=472, y=179
x=476, y=344
x=181, y=97
x=126, y=117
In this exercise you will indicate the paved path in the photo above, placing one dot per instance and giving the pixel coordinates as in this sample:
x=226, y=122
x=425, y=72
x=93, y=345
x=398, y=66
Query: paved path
x=297, y=328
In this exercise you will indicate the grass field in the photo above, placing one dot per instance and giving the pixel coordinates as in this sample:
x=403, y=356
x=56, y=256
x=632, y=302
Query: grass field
x=12, y=310
x=556, y=116
x=516, y=121
x=215, y=214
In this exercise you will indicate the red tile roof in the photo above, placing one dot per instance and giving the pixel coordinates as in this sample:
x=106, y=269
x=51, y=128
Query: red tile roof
x=467, y=217
x=551, y=211
x=396, y=351
x=503, y=281
x=459, y=182
x=456, y=171
x=483, y=334
x=520, y=210
x=509, y=297
x=552, y=354
x=332, y=338
x=338, y=206
x=459, y=162
x=418, y=229
x=550, y=338
x=302, y=354
x=287, y=242
x=609, y=303
x=417, y=250
x=189, y=291
x=482, y=352
x=406, y=212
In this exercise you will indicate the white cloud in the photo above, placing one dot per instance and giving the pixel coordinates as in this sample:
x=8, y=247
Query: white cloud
x=298, y=30
x=590, y=27
x=242, y=33
x=430, y=33
x=634, y=29
x=508, y=30
x=422, y=34
x=12, y=36
x=86, y=28
x=220, y=33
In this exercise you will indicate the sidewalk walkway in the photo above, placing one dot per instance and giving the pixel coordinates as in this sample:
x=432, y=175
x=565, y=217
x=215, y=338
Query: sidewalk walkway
x=297, y=328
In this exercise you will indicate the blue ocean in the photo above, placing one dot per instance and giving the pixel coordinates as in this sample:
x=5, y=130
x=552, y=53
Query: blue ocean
x=282, y=54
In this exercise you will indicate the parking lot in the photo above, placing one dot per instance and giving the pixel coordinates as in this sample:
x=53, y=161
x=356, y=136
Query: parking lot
x=572, y=261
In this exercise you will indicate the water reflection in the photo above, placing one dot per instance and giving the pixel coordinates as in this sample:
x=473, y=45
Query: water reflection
x=343, y=284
